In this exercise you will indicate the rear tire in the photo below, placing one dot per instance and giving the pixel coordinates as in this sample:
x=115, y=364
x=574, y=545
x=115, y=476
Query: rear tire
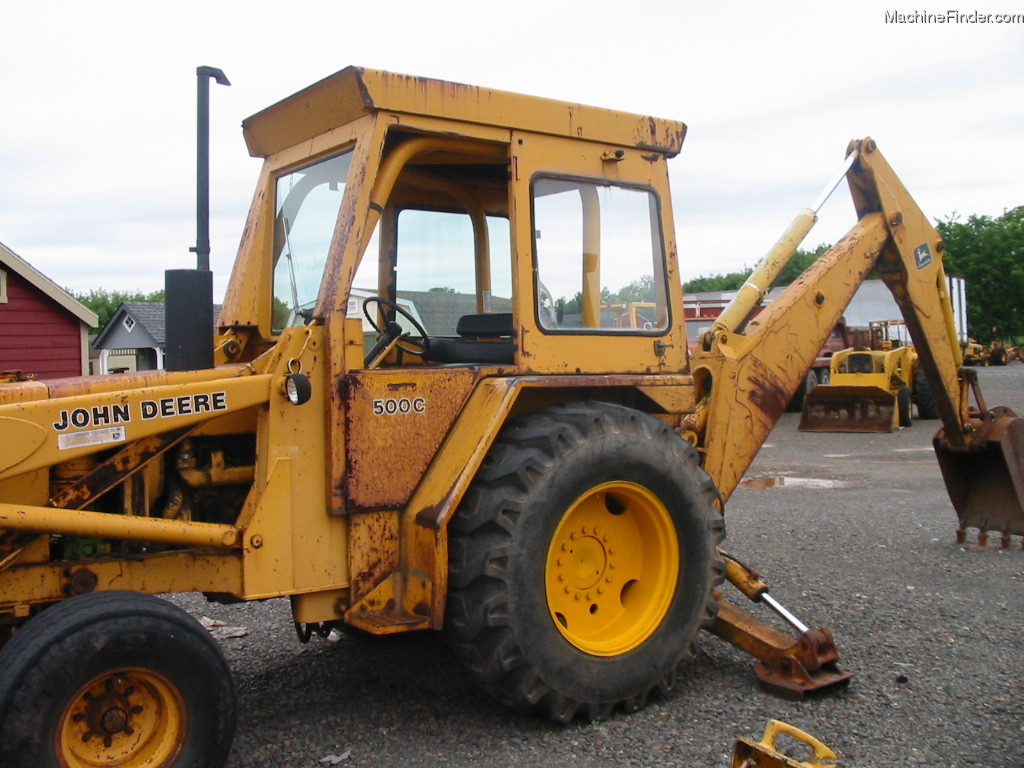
x=114, y=678
x=582, y=561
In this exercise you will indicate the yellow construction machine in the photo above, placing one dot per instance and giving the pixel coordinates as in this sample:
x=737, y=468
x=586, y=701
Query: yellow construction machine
x=398, y=433
x=974, y=353
x=996, y=353
x=872, y=388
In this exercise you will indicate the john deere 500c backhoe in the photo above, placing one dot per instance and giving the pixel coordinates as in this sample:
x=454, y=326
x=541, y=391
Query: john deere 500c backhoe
x=424, y=415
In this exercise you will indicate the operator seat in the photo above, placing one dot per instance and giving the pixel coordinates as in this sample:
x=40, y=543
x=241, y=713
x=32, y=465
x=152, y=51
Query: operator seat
x=483, y=340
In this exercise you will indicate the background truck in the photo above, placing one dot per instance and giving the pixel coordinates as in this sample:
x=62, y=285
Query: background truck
x=549, y=495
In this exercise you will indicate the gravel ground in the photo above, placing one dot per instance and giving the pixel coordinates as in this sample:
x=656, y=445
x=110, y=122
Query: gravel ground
x=930, y=628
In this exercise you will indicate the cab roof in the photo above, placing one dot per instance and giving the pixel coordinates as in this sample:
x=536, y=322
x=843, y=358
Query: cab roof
x=355, y=92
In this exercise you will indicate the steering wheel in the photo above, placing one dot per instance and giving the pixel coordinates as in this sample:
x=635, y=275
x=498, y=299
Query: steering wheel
x=404, y=341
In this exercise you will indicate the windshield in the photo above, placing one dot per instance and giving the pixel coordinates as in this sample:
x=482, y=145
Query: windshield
x=306, y=210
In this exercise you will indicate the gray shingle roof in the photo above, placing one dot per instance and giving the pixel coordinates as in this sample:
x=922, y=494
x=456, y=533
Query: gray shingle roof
x=440, y=312
x=148, y=314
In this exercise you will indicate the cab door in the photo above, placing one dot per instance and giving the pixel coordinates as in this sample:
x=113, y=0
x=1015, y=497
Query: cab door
x=442, y=255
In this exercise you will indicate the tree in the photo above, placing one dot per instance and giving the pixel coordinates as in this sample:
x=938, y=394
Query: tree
x=989, y=253
x=801, y=261
x=104, y=303
x=641, y=289
x=728, y=282
x=732, y=281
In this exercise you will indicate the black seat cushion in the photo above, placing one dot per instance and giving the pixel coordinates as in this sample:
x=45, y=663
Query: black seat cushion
x=477, y=326
x=468, y=349
x=445, y=350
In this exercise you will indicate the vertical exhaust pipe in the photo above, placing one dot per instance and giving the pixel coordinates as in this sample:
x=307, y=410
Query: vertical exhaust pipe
x=188, y=293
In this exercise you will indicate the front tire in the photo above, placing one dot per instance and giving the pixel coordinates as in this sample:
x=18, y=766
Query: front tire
x=927, y=408
x=582, y=561
x=809, y=382
x=114, y=679
x=903, y=407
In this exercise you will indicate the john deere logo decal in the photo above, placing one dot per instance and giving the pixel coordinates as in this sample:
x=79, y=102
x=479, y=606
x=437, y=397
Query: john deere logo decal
x=923, y=255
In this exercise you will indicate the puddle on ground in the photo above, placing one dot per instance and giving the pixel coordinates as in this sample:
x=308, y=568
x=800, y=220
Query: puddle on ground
x=761, y=483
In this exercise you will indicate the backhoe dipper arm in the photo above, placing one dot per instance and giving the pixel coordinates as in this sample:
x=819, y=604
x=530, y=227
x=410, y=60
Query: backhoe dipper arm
x=980, y=450
x=910, y=264
x=754, y=373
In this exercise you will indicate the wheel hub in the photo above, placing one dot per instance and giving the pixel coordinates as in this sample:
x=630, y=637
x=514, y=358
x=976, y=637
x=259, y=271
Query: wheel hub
x=585, y=561
x=130, y=719
x=612, y=568
x=115, y=719
x=109, y=713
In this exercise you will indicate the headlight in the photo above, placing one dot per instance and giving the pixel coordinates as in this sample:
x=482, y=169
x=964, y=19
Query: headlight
x=297, y=388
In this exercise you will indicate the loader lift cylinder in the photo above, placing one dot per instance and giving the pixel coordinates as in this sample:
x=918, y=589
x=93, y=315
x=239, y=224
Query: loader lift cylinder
x=188, y=302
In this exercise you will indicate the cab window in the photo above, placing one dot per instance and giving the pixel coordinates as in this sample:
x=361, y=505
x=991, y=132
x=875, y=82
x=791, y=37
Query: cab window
x=307, y=202
x=436, y=268
x=599, y=258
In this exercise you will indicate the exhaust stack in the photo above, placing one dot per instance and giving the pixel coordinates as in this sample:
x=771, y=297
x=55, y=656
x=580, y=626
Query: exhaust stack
x=188, y=293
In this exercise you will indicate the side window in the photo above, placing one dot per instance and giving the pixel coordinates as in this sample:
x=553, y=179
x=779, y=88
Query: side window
x=599, y=258
x=306, y=211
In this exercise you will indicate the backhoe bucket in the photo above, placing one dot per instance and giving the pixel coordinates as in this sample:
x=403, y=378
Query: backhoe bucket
x=986, y=482
x=846, y=408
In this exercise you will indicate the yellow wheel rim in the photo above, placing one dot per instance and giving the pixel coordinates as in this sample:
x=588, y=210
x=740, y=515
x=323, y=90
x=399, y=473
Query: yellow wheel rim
x=612, y=569
x=128, y=718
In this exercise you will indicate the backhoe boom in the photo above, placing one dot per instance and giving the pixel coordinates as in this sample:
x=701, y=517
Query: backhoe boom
x=755, y=371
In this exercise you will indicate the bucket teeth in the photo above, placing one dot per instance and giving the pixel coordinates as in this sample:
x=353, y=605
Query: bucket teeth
x=1005, y=538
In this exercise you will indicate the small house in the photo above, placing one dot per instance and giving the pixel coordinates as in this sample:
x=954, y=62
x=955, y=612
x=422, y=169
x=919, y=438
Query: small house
x=44, y=330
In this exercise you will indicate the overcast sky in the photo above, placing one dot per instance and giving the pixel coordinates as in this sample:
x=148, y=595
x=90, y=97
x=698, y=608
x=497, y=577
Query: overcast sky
x=97, y=158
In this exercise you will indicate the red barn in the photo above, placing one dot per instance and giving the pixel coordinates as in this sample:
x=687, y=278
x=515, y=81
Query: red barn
x=44, y=330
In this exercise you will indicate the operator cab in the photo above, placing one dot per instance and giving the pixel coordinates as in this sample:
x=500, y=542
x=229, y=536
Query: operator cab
x=463, y=240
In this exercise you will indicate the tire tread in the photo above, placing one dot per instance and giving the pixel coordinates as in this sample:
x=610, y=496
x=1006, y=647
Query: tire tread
x=480, y=540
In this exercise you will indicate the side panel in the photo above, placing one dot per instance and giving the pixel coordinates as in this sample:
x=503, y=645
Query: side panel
x=395, y=422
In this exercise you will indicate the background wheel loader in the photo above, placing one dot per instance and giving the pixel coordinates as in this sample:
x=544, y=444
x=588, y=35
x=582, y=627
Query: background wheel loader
x=402, y=431
x=871, y=388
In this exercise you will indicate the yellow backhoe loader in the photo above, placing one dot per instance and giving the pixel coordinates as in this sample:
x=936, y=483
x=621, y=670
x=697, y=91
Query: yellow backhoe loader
x=399, y=433
x=870, y=389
